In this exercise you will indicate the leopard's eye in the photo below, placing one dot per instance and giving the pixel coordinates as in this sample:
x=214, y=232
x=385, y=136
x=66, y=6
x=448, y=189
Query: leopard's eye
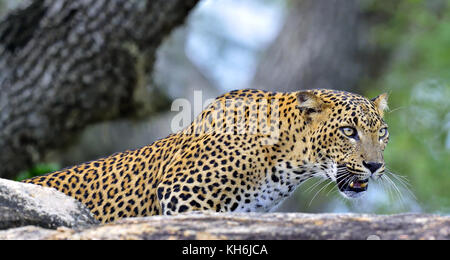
x=349, y=132
x=383, y=133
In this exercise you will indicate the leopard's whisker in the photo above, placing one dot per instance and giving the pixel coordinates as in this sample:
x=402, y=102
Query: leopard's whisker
x=404, y=183
x=400, y=195
x=315, y=195
x=320, y=181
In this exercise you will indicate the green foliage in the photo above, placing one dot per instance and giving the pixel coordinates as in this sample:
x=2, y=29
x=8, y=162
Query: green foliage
x=38, y=170
x=418, y=81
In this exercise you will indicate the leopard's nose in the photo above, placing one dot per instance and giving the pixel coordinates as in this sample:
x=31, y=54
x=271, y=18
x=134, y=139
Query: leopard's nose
x=372, y=166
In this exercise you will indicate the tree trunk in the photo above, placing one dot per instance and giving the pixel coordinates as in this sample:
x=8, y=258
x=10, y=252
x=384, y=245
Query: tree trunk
x=65, y=64
x=324, y=44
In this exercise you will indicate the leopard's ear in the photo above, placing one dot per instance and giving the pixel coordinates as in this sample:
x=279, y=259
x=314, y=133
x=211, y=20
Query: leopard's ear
x=309, y=101
x=381, y=103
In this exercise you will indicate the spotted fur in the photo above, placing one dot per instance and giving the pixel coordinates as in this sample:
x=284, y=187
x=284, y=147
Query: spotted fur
x=247, y=151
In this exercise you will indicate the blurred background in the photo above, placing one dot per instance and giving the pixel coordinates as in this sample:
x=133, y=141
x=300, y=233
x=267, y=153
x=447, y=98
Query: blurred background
x=368, y=47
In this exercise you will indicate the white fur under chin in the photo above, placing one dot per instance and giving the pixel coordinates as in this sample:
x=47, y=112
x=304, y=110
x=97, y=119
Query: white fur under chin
x=352, y=195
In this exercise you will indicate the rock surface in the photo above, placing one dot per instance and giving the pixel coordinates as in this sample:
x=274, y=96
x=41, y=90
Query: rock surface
x=33, y=212
x=254, y=226
x=27, y=204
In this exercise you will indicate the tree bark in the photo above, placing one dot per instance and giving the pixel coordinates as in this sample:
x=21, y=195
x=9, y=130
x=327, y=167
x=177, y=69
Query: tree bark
x=323, y=44
x=65, y=64
x=254, y=226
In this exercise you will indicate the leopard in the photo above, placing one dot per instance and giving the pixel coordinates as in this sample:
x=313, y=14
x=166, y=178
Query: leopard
x=247, y=151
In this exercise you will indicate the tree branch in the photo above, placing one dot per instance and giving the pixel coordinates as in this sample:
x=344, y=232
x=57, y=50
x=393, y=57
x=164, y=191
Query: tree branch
x=66, y=64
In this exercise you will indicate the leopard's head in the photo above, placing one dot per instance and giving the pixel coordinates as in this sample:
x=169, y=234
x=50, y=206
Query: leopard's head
x=349, y=135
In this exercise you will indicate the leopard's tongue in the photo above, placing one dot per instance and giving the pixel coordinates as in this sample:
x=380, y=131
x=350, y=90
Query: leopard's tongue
x=358, y=185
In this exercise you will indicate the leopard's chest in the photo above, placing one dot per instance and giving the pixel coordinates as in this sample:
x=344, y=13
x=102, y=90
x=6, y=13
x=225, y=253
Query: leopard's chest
x=271, y=191
x=279, y=184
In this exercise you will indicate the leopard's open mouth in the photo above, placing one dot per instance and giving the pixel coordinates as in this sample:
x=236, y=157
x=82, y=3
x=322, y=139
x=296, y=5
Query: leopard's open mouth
x=351, y=186
x=354, y=189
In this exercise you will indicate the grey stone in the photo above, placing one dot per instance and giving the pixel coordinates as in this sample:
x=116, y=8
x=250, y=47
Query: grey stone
x=28, y=204
x=254, y=226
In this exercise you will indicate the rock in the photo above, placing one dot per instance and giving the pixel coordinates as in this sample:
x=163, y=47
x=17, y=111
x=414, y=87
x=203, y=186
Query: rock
x=27, y=204
x=29, y=211
x=26, y=233
x=249, y=226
